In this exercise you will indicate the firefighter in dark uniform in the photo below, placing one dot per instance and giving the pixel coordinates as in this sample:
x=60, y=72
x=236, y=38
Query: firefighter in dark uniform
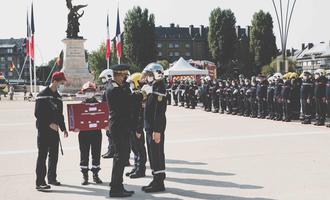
x=286, y=97
x=175, y=91
x=106, y=77
x=253, y=98
x=137, y=138
x=186, y=93
x=235, y=97
x=320, y=98
x=209, y=90
x=181, y=93
x=193, y=89
x=119, y=101
x=328, y=94
x=229, y=93
x=295, y=96
x=215, y=96
x=247, y=96
x=168, y=92
x=262, y=97
x=277, y=97
x=306, y=95
x=222, y=97
x=270, y=98
x=155, y=125
x=90, y=141
x=241, y=97
x=49, y=115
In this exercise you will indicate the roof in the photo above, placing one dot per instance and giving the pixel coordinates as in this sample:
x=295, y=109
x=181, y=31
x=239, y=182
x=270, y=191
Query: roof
x=182, y=67
x=319, y=50
x=6, y=46
x=181, y=32
x=10, y=43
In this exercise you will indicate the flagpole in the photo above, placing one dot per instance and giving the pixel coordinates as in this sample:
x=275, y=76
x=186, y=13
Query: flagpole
x=31, y=86
x=20, y=74
x=108, y=63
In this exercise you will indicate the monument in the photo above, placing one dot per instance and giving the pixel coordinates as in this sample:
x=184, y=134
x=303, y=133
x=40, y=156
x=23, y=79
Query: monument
x=74, y=59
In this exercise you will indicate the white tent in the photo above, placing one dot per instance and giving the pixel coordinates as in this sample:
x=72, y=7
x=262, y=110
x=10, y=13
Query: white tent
x=183, y=68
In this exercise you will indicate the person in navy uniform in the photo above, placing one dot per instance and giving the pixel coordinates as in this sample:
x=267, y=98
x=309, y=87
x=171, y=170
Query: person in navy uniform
x=90, y=141
x=277, y=97
x=306, y=95
x=49, y=114
x=175, y=91
x=137, y=136
x=270, y=98
x=320, y=98
x=253, y=98
x=155, y=125
x=262, y=97
x=286, y=98
x=106, y=77
x=119, y=100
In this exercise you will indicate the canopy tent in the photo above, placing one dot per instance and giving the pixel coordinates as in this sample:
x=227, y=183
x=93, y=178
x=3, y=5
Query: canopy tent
x=183, y=68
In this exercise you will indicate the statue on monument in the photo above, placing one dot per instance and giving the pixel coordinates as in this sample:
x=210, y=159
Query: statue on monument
x=73, y=20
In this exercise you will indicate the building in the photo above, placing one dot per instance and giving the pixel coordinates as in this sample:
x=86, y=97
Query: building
x=12, y=57
x=174, y=42
x=314, y=57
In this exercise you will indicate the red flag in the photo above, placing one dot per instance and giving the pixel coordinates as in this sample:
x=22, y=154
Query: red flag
x=32, y=35
x=28, y=31
x=108, y=40
x=118, y=37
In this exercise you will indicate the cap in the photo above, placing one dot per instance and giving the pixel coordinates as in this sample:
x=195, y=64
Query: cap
x=88, y=86
x=122, y=68
x=58, y=76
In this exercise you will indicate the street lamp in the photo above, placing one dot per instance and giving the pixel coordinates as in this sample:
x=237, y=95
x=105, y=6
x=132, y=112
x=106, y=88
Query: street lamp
x=284, y=21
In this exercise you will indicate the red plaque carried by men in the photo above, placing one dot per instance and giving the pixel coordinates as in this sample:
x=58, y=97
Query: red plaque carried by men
x=88, y=116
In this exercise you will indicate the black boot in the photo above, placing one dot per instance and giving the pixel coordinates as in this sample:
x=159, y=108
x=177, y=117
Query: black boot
x=109, y=154
x=96, y=178
x=85, y=179
x=139, y=173
x=131, y=172
x=119, y=193
x=156, y=187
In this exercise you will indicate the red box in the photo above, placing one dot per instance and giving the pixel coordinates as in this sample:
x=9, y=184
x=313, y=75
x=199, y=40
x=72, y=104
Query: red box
x=88, y=116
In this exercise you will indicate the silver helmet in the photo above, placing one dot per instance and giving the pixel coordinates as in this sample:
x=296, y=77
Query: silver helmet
x=156, y=69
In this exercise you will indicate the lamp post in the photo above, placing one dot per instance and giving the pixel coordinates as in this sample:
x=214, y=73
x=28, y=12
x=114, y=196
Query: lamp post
x=284, y=16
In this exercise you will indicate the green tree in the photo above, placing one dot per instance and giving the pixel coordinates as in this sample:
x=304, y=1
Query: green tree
x=262, y=40
x=272, y=67
x=139, y=37
x=222, y=38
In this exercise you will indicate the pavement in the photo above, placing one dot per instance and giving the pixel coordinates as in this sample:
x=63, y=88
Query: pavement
x=208, y=156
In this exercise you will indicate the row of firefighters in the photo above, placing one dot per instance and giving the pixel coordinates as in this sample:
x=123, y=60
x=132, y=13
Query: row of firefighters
x=278, y=97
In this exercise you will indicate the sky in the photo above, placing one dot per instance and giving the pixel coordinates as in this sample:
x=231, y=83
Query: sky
x=310, y=22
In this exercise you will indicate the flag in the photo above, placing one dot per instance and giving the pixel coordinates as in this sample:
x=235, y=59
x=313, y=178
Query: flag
x=27, y=40
x=31, y=50
x=118, y=37
x=108, y=40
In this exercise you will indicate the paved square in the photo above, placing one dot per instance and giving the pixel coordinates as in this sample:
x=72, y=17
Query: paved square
x=209, y=156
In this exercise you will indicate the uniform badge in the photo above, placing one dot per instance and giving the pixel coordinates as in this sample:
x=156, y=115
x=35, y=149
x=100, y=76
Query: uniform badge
x=159, y=98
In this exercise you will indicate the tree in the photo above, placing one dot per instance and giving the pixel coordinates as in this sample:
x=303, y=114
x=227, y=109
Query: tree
x=262, y=40
x=139, y=37
x=222, y=38
x=272, y=67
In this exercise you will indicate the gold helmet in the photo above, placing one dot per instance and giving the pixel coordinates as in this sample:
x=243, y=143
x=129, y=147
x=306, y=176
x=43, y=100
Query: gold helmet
x=134, y=79
x=294, y=75
x=287, y=76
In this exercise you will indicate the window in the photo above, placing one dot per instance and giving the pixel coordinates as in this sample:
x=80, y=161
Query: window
x=188, y=54
x=2, y=59
x=170, y=45
x=171, y=54
x=10, y=58
x=160, y=54
x=159, y=45
x=187, y=46
x=9, y=50
x=176, y=45
x=177, y=54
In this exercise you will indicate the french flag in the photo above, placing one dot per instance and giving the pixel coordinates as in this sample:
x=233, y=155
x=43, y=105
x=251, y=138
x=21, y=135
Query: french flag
x=118, y=38
x=31, y=50
x=107, y=55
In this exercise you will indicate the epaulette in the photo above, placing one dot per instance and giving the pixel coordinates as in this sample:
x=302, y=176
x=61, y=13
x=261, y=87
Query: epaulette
x=114, y=84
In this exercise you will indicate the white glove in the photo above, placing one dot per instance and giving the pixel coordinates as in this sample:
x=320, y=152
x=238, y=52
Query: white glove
x=147, y=89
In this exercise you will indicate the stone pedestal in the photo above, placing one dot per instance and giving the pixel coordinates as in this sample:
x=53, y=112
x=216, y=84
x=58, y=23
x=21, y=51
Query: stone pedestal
x=74, y=65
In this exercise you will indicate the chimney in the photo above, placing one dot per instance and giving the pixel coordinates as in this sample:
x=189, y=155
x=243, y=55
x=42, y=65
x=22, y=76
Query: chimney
x=172, y=25
x=191, y=27
x=310, y=45
x=178, y=26
x=303, y=46
x=238, y=30
x=248, y=31
x=201, y=31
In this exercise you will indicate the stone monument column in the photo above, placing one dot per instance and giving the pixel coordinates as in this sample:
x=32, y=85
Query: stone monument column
x=74, y=65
